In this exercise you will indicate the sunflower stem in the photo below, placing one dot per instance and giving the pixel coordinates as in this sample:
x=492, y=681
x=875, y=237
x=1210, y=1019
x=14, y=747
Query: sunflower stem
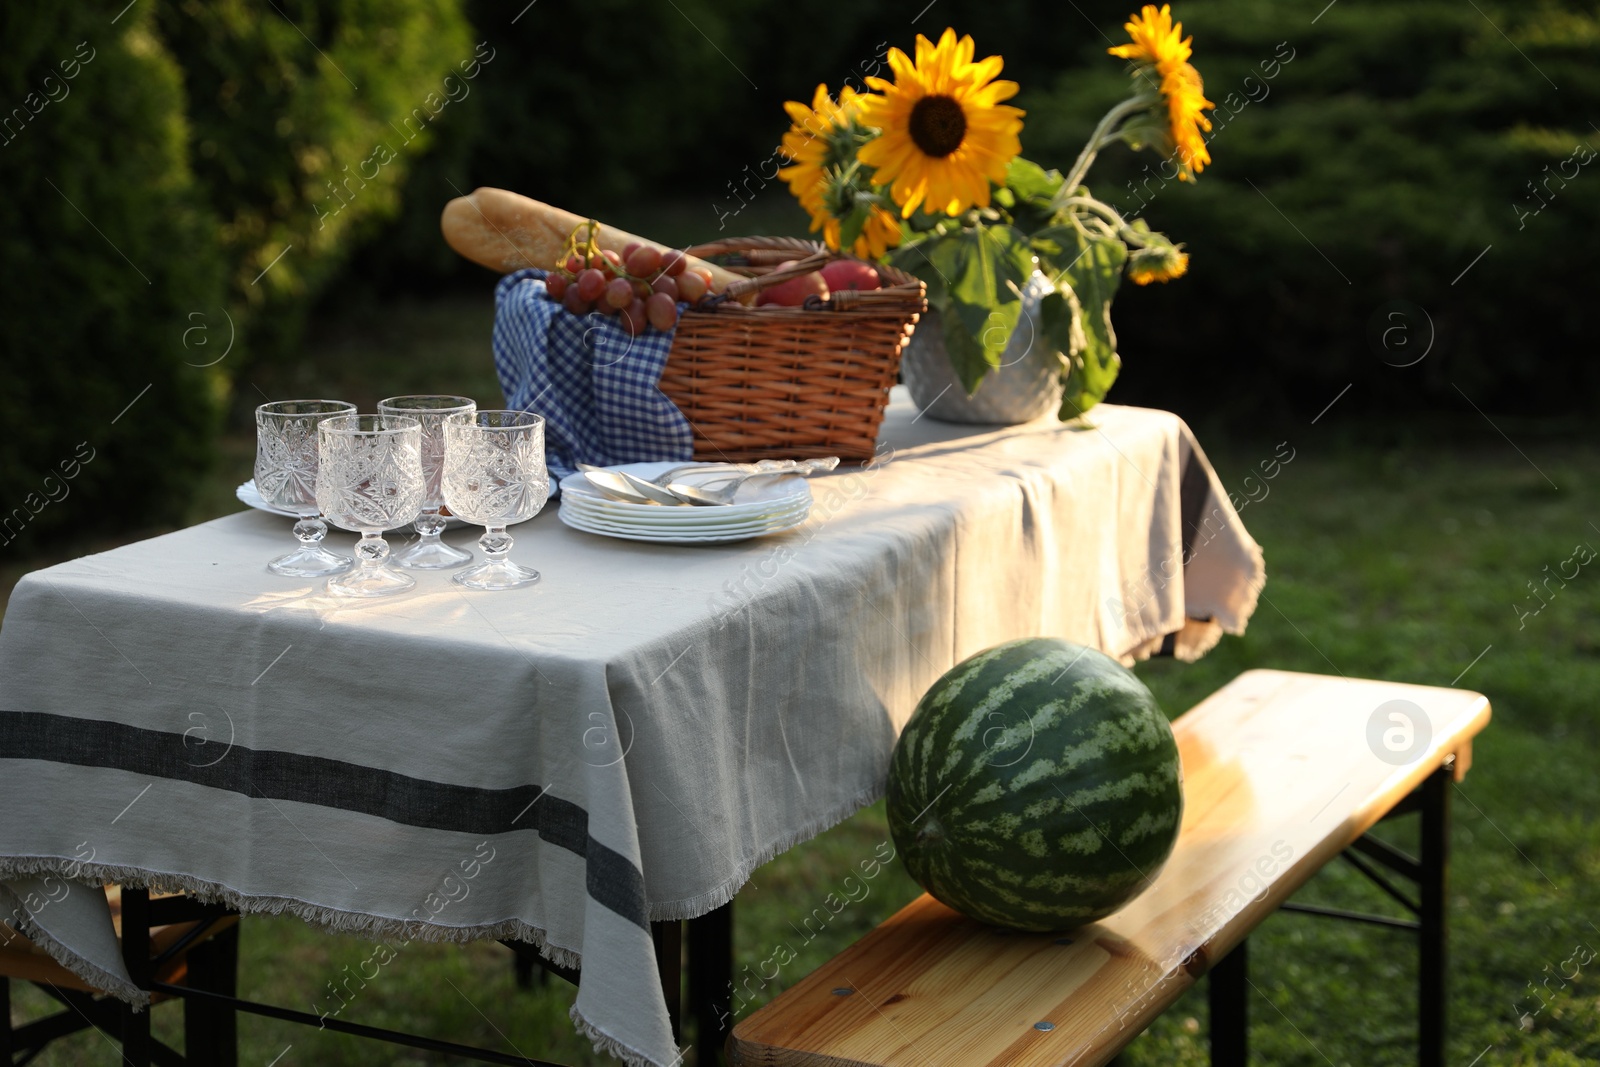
x=1102, y=134
x=1109, y=214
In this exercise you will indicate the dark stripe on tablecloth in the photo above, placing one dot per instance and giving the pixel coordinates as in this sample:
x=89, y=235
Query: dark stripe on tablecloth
x=1194, y=492
x=612, y=878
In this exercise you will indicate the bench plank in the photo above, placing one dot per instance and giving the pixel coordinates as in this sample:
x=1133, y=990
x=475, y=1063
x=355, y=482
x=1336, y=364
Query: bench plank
x=1278, y=779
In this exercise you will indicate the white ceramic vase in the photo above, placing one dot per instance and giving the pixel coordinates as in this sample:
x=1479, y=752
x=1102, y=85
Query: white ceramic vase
x=1025, y=386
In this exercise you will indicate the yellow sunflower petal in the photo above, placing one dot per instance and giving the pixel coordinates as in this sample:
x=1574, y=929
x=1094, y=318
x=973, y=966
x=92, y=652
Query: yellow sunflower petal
x=987, y=70
x=901, y=64
x=1155, y=38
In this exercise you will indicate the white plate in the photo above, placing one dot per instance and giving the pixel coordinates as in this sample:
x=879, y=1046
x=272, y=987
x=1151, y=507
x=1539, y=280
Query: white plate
x=749, y=526
x=756, y=498
x=249, y=494
x=681, y=519
x=669, y=537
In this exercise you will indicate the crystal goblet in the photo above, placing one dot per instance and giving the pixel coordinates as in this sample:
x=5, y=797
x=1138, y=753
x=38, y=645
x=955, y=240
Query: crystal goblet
x=286, y=478
x=429, y=553
x=369, y=481
x=494, y=475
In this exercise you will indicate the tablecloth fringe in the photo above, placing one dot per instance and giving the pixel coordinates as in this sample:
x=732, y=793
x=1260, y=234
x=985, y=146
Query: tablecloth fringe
x=373, y=927
x=1253, y=589
x=694, y=907
x=95, y=976
x=607, y=1045
x=1197, y=637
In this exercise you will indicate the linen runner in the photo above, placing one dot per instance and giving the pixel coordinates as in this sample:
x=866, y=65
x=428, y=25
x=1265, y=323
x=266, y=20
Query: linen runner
x=623, y=742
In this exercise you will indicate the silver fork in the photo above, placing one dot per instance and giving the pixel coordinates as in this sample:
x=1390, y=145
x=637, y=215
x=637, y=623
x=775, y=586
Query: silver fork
x=803, y=467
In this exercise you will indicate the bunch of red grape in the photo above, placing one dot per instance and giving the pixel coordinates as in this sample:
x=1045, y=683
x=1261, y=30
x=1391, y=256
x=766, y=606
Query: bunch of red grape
x=642, y=286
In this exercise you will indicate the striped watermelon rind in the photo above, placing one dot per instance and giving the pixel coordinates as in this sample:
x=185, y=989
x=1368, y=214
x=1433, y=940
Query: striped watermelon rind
x=1037, y=786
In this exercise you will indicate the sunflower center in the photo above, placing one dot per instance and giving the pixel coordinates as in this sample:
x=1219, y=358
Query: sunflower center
x=938, y=125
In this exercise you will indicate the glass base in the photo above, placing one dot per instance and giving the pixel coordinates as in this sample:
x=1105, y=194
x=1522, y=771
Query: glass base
x=370, y=582
x=496, y=574
x=310, y=561
x=430, y=554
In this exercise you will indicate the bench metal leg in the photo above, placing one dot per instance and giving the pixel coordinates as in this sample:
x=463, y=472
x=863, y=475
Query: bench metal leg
x=1227, y=989
x=1430, y=871
x=1435, y=861
x=711, y=982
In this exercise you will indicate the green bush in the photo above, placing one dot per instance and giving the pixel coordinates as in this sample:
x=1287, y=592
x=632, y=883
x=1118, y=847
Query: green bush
x=182, y=184
x=1395, y=146
x=305, y=115
x=603, y=109
x=107, y=252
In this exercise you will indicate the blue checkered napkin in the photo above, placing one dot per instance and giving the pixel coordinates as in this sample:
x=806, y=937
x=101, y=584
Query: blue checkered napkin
x=595, y=386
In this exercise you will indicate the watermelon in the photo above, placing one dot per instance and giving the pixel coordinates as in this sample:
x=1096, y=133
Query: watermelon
x=1037, y=786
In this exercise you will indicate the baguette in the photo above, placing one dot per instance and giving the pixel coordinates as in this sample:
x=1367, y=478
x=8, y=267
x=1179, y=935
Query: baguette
x=506, y=231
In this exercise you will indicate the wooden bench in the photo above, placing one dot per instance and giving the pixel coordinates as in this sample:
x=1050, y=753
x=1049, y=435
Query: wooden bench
x=1283, y=773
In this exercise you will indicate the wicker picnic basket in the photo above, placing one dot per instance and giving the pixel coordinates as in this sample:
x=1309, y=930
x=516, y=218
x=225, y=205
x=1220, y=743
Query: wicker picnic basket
x=788, y=382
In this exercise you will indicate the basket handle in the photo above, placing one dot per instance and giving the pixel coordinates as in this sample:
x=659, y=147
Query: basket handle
x=904, y=293
x=789, y=247
x=745, y=286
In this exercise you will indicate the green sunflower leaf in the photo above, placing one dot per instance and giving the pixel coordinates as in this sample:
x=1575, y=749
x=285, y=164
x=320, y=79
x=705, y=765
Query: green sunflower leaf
x=1093, y=274
x=851, y=225
x=974, y=279
x=1029, y=181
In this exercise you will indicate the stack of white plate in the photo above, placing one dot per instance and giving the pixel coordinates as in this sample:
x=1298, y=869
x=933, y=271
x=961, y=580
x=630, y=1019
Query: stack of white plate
x=762, y=506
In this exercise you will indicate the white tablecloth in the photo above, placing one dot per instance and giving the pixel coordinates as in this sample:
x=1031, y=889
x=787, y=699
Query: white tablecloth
x=623, y=742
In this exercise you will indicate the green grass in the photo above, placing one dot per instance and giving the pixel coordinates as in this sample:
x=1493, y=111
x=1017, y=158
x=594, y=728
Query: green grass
x=1400, y=563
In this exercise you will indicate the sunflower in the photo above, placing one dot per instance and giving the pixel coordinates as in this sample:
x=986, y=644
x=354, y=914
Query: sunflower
x=813, y=144
x=1157, y=263
x=1158, y=43
x=821, y=141
x=945, y=134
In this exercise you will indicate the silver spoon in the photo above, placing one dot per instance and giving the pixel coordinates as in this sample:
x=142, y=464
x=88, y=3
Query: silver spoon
x=695, y=494
x=609, y=485
x=649, y=489
x=803, y=467
x=722, y=472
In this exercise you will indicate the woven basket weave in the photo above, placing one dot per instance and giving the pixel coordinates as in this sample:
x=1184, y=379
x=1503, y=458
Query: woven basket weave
x=788, y=382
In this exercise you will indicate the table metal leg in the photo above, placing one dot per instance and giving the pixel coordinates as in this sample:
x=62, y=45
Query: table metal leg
x=135, y=1037
x=525, y=965
x=1227, y=987
x=7, y=1049
x=210, y=1028
x=136, y=957
x=1435, y=862
x=668, y=938
x=711, y=982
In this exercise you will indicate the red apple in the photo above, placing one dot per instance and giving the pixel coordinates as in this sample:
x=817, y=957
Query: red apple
x=793, y=292
x=850, y=274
